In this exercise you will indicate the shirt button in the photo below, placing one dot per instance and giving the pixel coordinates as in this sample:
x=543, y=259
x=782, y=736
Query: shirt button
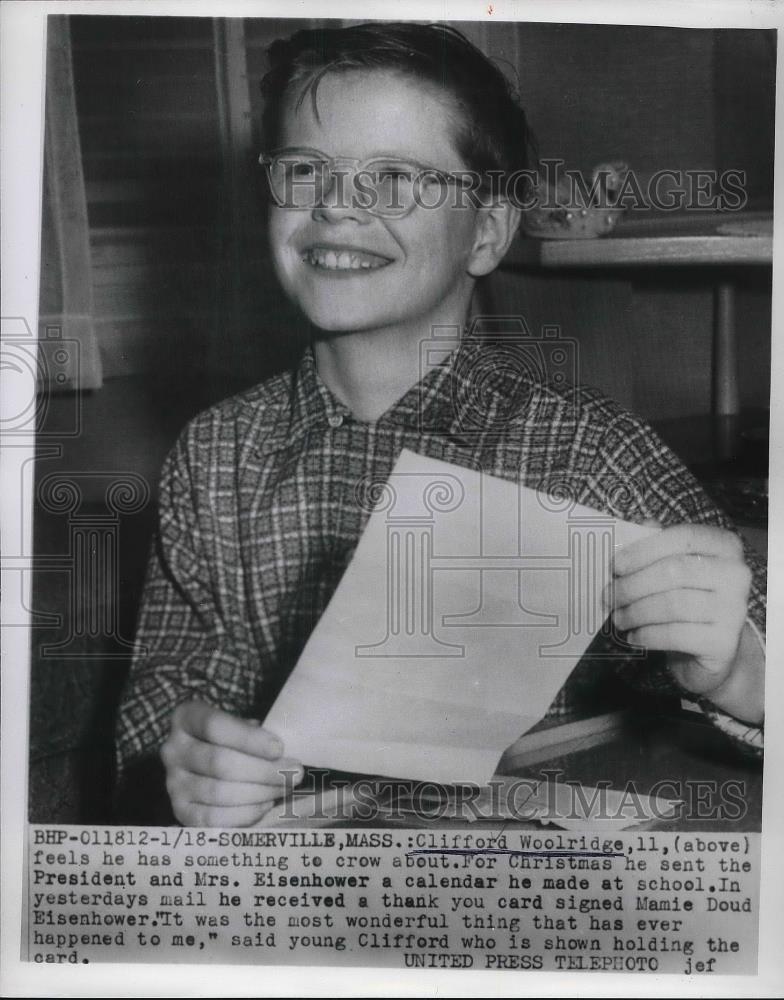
x=335, y=420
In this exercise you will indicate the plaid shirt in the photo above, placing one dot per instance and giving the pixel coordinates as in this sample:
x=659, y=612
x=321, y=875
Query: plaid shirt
x=259, y=518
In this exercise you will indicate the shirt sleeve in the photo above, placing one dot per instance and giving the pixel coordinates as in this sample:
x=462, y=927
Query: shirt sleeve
x=653, y=483
x=185, y=645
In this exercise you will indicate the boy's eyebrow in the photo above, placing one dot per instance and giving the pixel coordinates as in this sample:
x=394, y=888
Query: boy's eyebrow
x=385, y=153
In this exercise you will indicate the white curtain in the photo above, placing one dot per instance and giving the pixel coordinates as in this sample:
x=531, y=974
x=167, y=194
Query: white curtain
x=68, y=345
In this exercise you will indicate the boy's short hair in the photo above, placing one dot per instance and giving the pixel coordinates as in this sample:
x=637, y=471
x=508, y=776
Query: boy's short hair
x=494, y=134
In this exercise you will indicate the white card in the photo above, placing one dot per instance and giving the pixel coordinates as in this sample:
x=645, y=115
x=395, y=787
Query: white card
x=467, y=604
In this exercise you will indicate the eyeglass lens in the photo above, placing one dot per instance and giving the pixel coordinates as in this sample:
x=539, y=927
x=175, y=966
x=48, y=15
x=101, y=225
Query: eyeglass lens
x=386, y=187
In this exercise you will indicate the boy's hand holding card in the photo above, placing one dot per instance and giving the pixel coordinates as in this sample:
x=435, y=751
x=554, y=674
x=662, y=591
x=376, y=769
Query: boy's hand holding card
x=685, y=590
x=222, y=770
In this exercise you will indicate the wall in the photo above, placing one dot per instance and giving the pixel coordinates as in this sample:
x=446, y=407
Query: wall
x=656, y=98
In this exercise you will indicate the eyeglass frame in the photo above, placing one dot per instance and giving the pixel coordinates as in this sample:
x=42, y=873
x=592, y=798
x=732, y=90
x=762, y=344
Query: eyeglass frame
x=267, y=159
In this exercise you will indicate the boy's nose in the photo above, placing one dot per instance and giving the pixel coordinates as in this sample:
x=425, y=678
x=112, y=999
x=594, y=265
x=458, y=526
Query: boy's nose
x=338, y=199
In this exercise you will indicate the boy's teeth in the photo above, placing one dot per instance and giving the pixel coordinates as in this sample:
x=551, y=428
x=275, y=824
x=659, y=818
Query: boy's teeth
x=344, y=260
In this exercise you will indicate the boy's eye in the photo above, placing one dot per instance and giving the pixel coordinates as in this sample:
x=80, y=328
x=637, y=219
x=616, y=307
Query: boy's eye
x=301, y=170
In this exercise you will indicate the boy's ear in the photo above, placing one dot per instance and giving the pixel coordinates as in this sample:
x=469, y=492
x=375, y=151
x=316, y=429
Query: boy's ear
x=496, y=227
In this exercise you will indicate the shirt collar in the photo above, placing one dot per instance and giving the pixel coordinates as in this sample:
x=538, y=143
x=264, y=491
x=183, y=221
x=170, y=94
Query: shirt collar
x=314, y=405
x=466, y=394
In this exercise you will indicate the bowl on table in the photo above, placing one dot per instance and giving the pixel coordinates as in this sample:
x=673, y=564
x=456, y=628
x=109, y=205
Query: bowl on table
x=577, y=212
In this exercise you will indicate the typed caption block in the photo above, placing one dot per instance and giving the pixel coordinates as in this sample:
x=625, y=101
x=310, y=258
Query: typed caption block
x=445, y=899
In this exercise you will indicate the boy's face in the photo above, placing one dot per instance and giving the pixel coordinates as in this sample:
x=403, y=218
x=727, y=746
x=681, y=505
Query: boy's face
x=419, y=275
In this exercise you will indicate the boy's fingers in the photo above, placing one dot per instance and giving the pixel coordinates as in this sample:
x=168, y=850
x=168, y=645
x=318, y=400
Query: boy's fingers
x=677, y=637
x=214, y=761
x=695, y=606
x=212, y=725
x=198, y=814
x=212, y=792
x=674, y=574
x=681, y=539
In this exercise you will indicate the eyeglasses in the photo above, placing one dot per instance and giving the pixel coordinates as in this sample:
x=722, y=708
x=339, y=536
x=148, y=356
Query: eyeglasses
x=387, y=185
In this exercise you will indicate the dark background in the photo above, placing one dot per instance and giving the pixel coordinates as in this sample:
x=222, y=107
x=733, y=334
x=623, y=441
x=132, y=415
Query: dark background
x=186, y=310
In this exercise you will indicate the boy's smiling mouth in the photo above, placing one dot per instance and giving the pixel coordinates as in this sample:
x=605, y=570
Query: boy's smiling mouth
x=343, y=259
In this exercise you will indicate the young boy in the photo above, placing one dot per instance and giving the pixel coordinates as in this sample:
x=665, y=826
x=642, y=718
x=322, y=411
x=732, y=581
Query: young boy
x=372, y=132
